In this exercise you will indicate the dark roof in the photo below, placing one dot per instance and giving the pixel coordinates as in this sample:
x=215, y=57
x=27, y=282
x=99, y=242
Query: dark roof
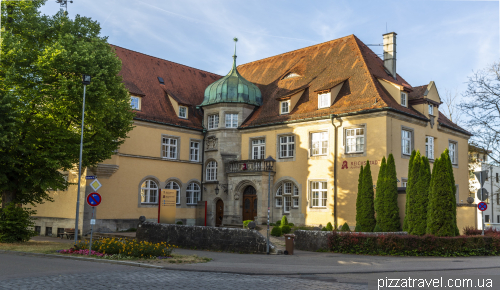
x=140, y=74
x=418, y=92
x=442, y=120
x=322, y=66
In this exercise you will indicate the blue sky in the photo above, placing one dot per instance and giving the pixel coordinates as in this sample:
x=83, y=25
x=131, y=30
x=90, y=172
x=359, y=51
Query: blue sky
x=443, y=41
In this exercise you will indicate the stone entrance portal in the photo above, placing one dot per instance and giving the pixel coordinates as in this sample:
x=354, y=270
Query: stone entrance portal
x=249, y=203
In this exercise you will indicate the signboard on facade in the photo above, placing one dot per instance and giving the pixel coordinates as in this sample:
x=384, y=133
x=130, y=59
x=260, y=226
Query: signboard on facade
x=166, y=206
x=357, y=164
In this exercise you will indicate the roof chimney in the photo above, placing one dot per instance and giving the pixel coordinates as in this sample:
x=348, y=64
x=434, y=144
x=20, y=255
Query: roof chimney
x=390, y=53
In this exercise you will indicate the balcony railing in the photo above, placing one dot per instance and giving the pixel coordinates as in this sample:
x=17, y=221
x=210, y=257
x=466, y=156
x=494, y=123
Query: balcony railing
x=257, y=165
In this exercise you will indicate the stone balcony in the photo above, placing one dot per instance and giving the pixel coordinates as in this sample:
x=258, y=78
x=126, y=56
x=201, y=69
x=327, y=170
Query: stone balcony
x=244, y=166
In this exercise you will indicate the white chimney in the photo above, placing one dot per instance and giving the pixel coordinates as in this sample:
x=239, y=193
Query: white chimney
x=390, y=53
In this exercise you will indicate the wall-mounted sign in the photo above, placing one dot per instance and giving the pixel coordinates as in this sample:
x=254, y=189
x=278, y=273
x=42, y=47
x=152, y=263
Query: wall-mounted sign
x=357, y=164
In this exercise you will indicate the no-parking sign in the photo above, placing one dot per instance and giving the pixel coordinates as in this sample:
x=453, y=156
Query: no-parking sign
x=94, y=199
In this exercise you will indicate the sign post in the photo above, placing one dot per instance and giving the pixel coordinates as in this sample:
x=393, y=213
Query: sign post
x=482, y=194
x=166, y=206
x=93, y=199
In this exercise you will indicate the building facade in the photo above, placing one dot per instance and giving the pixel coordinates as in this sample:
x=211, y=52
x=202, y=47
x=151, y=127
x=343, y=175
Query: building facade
x=320, y=112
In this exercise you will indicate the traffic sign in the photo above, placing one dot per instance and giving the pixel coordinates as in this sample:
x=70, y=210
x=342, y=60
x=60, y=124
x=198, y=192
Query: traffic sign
x=95, y=184
x=481, y=176
x=90, y=177
x=94, y=199
x=482, y=194
x=482, y=206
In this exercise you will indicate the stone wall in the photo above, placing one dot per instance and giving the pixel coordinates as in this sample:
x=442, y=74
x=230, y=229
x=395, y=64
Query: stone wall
x=211, y=238
x=318, y=240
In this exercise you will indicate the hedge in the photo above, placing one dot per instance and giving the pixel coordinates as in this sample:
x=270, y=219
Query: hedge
x=410, y=245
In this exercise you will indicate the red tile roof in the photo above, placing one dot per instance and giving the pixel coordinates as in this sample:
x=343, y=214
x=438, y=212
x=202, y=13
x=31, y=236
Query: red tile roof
x=444, y=121
x=140, y=74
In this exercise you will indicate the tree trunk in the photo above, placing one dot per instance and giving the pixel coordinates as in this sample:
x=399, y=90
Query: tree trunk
x=7, y=197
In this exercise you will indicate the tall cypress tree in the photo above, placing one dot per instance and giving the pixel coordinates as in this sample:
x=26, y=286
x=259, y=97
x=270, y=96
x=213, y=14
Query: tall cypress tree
x=410, y=164
x=367, y=214
x=391, y=221
x=359, y=197
x=380, y=192
x=421, y=197
x=449, y=166
x=440, y=216
x=411, y=193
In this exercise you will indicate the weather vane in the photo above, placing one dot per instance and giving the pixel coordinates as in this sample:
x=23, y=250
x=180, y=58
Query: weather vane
x=235, y=40
x=64, y=5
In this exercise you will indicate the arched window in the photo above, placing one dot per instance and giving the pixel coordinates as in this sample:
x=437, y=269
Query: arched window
x=211, y=171
x=174, y=185
x=149, y=192
x=192, y=193
x=287, y=196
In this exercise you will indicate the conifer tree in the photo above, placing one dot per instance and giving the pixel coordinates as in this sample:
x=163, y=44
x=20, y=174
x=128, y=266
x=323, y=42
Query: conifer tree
x=359, y=197
x=366, y=216
x=441, y=220
x=421, y=197
x=391, y=221
x=453, y=188
x=410, y=163
x=380, y=191
x=411, y=193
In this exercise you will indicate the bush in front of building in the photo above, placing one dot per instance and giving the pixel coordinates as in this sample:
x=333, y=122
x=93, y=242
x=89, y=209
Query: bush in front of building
x=380, y=191
x=329, y=226
x=179, y=223
x=16, y=224
x=284, y=221
x=278, y=223
x=365, y=211
x=411, y=191
x=245, y=223
x=276, y=231
x=471, y=231
x=357, y=229
x=377, y=229
x=421, y=195
x=410, y=245
x=454, y=189
x=408, y=186
x=286, y=229
x=390, y=221
x=124, y=247
x=345, y=228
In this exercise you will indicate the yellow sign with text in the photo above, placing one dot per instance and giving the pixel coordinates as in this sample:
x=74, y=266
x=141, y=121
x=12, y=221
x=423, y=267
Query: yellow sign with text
x=166, y=206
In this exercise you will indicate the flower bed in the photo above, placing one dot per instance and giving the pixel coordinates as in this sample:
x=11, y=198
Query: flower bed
x=122, y=248
x=414, y=245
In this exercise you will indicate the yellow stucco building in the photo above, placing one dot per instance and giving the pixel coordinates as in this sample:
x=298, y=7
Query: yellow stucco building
x=320, y=112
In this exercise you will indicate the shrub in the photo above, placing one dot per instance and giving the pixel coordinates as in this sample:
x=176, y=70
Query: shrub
x=345, y=228
x=286, y=229
x=245, y=223
x=179, y=223
x=324, y=229
x=291, y=224
x=380, y=192
x=408, y=187
x=284, y=221
x=133, y=248
x=278, y=223
x=329, y=226
x=390, y=218
x=16, y=224
x=410, y=245
x=365, y=211
x=421, y=195
x=271, y=224
x=276, y=231
x=471, y=231
x=377, y=229
x=358, y=229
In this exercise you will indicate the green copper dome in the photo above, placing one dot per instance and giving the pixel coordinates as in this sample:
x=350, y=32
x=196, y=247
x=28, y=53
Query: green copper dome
x=232, y=88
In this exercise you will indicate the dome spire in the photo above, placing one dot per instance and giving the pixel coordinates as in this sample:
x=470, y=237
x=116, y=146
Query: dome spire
x=234, y=56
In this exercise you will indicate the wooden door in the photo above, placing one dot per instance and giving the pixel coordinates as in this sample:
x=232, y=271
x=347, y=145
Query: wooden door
x=249, y=204
x=219, y=212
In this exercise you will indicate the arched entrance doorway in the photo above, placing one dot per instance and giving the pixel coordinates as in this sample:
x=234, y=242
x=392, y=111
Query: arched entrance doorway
x=219, y=212
x=249, y=203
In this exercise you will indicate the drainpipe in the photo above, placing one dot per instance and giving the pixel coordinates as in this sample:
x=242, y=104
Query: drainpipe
x=202, y=151
x=335, y=150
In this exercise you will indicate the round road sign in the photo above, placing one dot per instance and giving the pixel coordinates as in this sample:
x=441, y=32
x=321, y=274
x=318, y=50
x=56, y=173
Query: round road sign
x=482, y=206
x=94, y=199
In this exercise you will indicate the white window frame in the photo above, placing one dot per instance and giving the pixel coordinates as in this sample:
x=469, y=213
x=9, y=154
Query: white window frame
x=132, y=101
x=319, y=194
x=429, y=147
x=149, y=192
x=355, y=140
x=175, y=185
x=453, y=148
x=324, y=100
x=406, y=140
x=295, y=202
x=319, y=143
x=404, y=99
x=183, y=112
x=287, y=146
x=193, y=193
x=287, y=203
x=431, y=109
x=285, y=107
x=231, y=120
x=213, y=121
x=169, y=147
x=259, y=149
x=194, y=151
x=279, y=201
x=404, y=182
x=211, y=171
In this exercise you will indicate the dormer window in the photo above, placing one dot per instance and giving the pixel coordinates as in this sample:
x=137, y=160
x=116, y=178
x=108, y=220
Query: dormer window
x=285, y=107
x=431, y=109
x=182, y=112
x=404, y=100
x=324, y=100
x=291, y=75
x=135, y=103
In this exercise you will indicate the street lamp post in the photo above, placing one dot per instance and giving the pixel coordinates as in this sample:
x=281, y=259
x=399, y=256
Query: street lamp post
x=85, y=81
x=269, y=161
